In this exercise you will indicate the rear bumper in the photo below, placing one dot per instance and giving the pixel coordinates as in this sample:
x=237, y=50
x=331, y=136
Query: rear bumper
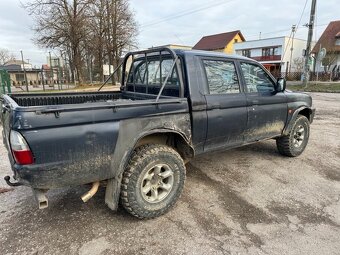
x=57, y=175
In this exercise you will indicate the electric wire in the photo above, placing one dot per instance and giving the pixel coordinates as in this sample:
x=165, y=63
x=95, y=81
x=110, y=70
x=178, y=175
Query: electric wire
x=185, y=13
x=290, y=37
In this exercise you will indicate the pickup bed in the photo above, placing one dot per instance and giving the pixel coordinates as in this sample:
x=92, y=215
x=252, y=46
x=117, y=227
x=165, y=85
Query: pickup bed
x=173, y=105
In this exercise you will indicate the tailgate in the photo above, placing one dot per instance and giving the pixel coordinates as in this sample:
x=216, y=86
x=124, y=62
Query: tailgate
x=7, y=106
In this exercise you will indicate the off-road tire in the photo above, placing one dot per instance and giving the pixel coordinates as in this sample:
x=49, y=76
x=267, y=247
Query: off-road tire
x=144, y=157
x=285, y=144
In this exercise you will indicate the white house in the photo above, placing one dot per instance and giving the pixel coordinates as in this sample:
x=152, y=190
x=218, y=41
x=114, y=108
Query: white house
x=278, y=54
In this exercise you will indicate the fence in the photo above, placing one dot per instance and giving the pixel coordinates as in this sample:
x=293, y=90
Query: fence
x=313, y=76
x=5, y=82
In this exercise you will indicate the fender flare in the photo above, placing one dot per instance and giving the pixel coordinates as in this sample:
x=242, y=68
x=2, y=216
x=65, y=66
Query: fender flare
x=292, y=119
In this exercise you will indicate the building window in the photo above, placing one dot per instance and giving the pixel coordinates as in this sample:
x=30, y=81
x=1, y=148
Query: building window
x=270, y=51
x=235, y=40
x=337, y=42
x=19, y=77
x=246, y=53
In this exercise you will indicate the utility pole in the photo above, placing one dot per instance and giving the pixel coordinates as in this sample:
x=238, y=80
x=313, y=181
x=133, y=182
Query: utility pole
x=309, y=42
x=292, y=48
x=23, y=67
x=51, y=69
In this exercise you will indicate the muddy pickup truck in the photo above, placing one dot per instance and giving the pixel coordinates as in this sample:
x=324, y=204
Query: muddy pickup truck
x=172, y=106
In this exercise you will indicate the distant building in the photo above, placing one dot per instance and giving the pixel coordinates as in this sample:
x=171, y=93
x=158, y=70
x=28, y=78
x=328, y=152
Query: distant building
x=275, y=53
x=177, y=46
x=220, y=42
x=15, y=68
x=330, y=40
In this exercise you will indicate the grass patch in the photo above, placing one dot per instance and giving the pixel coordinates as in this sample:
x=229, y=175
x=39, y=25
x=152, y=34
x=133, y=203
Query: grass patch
x=317, y=87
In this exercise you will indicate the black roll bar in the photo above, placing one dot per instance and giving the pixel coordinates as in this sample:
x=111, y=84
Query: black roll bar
x=156, y=50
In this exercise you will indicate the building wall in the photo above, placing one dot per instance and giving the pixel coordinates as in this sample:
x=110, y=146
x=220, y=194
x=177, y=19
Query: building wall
x=320, y=68
x=229, y=49
x=283, y=52
x=298, y=47
x=19, y=78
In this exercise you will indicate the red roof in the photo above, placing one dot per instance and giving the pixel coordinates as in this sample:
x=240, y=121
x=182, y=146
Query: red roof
x=328, y=38
x=218, y=41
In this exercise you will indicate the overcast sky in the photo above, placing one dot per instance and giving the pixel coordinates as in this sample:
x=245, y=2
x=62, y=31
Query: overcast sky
x=183, y=21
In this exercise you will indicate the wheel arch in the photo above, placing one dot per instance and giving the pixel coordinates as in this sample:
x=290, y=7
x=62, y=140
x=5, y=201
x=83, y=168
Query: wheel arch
x=305, y=111
x=172, y=138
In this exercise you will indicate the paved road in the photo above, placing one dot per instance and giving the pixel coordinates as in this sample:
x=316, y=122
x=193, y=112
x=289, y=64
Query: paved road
x=249, y=200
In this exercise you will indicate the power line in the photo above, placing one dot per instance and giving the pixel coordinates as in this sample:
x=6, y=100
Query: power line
x=185, y=13
x=303, y=12
x=295, y=30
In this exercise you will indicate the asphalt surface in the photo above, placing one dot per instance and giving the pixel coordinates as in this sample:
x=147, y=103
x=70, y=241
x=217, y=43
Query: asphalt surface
x=248, y=200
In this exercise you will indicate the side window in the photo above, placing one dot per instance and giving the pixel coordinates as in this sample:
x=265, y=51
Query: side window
x=256, y=79
x=154, y=74
x=221, y=76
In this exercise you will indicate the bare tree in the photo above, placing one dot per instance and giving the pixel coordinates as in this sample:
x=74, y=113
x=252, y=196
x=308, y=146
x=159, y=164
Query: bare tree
x=114, y=30
x=62, y=24
x=89, y=32
x=5, y=56
x=298, y=64
x=330, y=59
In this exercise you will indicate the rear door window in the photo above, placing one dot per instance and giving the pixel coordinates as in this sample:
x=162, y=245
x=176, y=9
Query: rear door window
x=221, y=77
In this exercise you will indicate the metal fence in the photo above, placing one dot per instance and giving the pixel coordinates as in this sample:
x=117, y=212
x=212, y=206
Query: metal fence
x=5, y=83
x=313, y=76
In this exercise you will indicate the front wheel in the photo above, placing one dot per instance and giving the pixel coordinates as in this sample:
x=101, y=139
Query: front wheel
x=152, y=181
x=295, y=142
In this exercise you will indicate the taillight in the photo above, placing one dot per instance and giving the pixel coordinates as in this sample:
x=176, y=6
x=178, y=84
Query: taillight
x=20, y=149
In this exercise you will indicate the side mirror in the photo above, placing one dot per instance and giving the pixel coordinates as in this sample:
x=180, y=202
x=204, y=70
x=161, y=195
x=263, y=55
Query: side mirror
x=280, y=85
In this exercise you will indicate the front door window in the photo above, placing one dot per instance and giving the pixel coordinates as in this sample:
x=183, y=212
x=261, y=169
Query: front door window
x=256, y=79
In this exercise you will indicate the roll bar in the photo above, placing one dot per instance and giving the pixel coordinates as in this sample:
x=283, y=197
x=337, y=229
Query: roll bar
x=145, y=53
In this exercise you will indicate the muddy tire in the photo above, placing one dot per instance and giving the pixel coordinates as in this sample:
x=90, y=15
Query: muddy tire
x=295, y=142
x=153, y=181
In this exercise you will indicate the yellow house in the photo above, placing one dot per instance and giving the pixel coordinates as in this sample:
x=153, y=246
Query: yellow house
x=220, y=42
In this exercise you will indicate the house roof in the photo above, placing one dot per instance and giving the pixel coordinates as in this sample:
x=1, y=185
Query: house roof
x=328, y=38
x=218, y=41
x=15, y=62
x=11, y=67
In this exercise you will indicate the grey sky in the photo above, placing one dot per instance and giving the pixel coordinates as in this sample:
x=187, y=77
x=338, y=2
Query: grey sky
x=183, y=21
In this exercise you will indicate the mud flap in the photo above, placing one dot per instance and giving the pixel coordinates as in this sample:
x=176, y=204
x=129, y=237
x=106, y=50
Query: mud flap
x=112, y=193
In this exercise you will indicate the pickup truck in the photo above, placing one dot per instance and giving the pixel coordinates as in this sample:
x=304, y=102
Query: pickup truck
x=172, y=106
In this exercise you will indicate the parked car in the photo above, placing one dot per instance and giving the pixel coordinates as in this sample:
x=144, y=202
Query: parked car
x=172, y=106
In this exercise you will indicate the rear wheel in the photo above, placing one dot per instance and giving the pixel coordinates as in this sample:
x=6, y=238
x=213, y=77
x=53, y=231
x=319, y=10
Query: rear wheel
x=295, y=142
x=152, y=181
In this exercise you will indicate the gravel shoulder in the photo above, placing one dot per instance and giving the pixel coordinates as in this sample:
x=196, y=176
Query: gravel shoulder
x=248, y=200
